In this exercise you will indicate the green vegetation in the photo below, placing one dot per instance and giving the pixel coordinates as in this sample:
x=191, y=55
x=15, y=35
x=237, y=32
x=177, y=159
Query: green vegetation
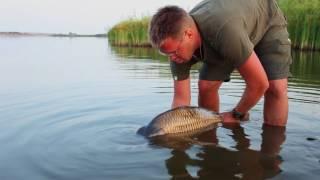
x=303, y=25
x=303, y=22
x=132, y=32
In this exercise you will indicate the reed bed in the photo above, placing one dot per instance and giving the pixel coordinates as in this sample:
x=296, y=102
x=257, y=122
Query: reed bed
x=132, y=32
x=303, y=25
x=303, y=22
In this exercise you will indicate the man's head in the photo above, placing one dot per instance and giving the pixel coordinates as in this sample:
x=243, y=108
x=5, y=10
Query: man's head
x=173, y=31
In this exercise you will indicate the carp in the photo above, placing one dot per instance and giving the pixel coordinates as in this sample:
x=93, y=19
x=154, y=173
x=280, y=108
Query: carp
x=181, y=121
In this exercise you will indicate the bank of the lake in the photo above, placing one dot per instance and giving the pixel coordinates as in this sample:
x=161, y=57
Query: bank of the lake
x=131, y=32
x=32, y=34
x=303, y=25
x=303, y=22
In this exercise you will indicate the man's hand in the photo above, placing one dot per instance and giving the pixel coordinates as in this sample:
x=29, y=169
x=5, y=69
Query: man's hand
x=229, y=119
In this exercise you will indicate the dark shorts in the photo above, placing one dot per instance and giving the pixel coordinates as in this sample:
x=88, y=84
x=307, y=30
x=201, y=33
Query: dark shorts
x=273, y=50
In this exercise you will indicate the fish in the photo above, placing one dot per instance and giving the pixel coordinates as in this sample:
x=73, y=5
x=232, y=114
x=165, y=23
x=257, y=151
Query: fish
x=181, y=121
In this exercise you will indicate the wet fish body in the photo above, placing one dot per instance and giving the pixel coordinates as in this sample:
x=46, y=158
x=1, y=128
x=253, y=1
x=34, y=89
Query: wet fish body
x=181, y=121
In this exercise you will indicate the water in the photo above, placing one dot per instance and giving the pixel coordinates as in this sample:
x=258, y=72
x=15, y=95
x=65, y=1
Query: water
x=70, y=108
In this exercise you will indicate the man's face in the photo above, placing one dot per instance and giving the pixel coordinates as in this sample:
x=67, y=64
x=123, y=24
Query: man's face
x=179, y=50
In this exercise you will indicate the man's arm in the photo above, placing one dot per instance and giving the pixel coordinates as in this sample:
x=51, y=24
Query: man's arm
x=182, y=93
x=256, y=85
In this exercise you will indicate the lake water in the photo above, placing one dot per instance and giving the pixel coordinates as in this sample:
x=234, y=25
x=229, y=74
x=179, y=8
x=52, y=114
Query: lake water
x=70, y=108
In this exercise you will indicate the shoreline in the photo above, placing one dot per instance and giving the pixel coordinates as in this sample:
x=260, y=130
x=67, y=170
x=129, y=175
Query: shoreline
x=70, y=35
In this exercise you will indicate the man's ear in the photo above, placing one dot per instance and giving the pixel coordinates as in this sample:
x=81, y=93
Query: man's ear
x=188, y=33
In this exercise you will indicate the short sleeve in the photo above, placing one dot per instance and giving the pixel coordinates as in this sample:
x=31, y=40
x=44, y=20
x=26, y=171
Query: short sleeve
x=233, y=43
x=181, y=71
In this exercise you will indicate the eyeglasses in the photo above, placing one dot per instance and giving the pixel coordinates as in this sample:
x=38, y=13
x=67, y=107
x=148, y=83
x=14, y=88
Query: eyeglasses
x=176, y=52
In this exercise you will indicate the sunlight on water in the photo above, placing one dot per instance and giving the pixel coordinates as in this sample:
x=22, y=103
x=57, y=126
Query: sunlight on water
x=70, y=109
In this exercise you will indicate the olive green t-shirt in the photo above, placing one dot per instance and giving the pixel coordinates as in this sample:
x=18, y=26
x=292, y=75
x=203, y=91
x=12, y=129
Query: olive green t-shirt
x=229, y=29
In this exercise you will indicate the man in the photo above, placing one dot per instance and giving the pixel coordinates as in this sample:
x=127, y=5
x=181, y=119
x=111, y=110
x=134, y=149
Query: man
x=247, y=35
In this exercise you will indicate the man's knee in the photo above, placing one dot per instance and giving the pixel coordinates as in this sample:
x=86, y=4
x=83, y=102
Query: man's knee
x=277, y=88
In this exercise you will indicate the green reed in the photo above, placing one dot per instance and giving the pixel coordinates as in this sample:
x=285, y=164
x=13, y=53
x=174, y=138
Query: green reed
x=303, y=25
x=303, y=22
x=132, y=32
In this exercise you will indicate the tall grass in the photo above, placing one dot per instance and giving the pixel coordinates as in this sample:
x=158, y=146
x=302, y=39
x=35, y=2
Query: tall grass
x=303, y=22
x=303, y=25
x=132, y=32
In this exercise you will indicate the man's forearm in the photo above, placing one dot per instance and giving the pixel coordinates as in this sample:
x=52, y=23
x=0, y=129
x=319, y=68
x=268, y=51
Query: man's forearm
x=182, y=93
x=251, y=97
x=256, y=83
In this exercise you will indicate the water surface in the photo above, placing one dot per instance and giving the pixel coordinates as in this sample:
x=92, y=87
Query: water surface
x=70, y=108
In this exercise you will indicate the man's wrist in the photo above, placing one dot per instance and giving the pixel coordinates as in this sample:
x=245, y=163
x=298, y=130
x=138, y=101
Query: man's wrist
x=238, y=115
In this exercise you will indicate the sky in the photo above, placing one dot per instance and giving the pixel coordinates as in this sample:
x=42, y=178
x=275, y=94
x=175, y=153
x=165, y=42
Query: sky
x=77, y=16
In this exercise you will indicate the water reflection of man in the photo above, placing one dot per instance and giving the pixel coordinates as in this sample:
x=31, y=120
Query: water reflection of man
x=247, y=35
x=222, y=163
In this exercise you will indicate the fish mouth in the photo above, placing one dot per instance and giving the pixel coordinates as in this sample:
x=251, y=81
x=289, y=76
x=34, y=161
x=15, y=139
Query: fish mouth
x=142, y=131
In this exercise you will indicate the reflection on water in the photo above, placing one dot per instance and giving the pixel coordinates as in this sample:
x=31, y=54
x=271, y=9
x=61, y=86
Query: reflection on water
x=222, y=163
x=140, y=53
x=305, y=68
x=305, y=83
x=146, y=53
x=70, y=109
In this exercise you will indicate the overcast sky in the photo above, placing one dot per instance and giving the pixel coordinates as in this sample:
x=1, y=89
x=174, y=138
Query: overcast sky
x=79, y=16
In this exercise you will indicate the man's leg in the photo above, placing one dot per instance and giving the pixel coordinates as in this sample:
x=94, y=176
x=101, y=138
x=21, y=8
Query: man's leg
x=208, y=94
x=276, y=103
